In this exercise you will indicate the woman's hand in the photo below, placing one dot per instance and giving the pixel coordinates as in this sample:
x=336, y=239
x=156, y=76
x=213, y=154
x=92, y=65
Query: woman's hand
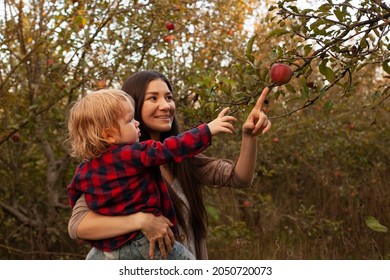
x=157, y=229
x=257, y=121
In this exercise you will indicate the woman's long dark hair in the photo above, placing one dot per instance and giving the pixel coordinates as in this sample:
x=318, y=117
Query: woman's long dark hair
x=136, y=86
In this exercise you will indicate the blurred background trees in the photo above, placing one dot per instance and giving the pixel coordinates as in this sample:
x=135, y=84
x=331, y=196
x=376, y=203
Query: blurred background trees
x=321, y=189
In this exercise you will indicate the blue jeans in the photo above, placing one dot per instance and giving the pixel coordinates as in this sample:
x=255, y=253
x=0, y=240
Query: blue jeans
x=138, y=249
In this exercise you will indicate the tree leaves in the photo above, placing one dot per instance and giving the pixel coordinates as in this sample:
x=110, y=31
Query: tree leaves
x=326, y=71
x=374, y=224
x=249, y=49
x=386, y=66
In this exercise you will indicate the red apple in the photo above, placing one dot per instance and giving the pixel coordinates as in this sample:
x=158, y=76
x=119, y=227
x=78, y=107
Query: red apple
x=169, y=25
x=281, y=73
x=101, y=84
x=50, y=62
x=169, y=38
x=15, y=137
x=276, y=140
x=246, y=203
x=64, y=85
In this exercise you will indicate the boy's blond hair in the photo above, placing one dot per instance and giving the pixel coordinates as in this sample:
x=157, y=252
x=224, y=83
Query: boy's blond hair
x=90, y=117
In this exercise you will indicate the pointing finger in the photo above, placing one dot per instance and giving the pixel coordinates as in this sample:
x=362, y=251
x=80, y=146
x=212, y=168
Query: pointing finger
x=260, y=101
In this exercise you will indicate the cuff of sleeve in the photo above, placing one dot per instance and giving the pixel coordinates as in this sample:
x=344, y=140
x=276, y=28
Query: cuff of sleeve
x=205, y=130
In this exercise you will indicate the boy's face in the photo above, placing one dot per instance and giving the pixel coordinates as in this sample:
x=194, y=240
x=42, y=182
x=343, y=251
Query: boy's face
x=128, y=127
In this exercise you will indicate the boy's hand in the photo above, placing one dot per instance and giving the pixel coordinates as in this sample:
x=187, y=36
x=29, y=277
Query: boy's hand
x=222, y=123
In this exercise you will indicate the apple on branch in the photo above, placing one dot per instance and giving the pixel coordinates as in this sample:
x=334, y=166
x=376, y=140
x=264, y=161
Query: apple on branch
x=169, y=38
x=15, y=137
x=246, y=203
x=169, y=25
x=281, y=73
x=100, y=84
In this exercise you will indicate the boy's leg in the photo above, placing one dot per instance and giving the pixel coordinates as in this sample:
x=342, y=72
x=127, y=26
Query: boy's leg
x=96, y=254
x=140, y=247
x=137, y=249
x=179, y=252
x=126, y=252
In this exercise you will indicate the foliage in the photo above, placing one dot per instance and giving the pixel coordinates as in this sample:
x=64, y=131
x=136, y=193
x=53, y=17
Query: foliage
x=320, y=176
x=327, y=46
x=323, y=169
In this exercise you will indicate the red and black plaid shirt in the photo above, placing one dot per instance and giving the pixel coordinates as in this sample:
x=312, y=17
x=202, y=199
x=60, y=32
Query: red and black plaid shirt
x=126, y=179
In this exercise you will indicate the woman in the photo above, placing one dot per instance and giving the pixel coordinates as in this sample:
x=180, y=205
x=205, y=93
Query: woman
x=155, y=110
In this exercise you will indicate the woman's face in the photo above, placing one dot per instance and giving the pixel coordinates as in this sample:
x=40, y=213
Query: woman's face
x=158, y=108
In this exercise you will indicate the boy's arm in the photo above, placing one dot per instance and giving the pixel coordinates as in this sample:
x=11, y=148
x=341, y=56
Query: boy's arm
x=182, y=146
x=222, y=123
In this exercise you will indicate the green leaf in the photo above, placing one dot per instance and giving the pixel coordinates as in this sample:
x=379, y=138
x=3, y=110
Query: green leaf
x=213, y=212
x=327, y=72
x=290, y=88
x=364, y=42
x=386, y=66
x=324, y=8
x=249, y=48
x=271, y=8
x=278, y=32
x=278, y=93
x=374, y=224
x=307, y=49
x=339, y=14
x=328, y=106
x=304, y=88
x=295, y=9
x=360, y=66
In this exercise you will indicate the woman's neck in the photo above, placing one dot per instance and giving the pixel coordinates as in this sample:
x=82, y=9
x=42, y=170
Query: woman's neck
x=155, y=136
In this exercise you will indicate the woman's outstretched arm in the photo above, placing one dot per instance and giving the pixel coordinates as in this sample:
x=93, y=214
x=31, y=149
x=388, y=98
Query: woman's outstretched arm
x=256, y=123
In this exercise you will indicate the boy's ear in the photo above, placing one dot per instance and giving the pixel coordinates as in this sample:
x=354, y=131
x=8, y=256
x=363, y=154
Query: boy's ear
x=109, y=135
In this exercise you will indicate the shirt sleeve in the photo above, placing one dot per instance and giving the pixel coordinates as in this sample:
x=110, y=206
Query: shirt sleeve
x=217, y=172
x=174, y=148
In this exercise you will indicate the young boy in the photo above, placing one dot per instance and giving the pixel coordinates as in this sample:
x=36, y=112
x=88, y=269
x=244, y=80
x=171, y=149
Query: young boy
x=119, y=174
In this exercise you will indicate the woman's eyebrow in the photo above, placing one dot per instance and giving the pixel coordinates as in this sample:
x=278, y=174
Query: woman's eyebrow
x=157, y=93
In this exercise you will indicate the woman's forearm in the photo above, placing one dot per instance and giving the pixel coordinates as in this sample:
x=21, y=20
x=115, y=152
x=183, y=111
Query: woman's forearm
x=256, y=124
x=86, y=224
x=94, y=226
x=246, y=162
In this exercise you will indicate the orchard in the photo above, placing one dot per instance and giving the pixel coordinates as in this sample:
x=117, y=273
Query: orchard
x=321, y=185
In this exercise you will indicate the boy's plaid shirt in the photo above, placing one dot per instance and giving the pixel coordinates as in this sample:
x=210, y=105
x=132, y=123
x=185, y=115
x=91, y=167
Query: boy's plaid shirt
x=126, y=179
